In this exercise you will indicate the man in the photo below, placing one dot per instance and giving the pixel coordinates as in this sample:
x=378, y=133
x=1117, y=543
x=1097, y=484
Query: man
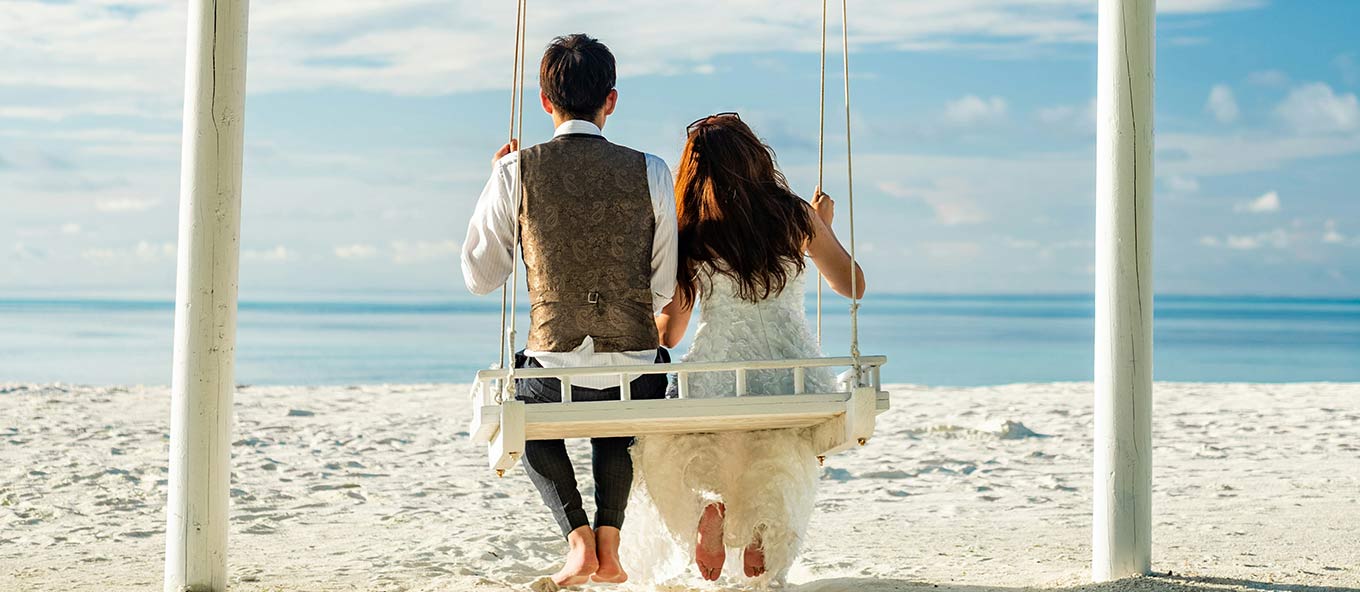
x=598, y=231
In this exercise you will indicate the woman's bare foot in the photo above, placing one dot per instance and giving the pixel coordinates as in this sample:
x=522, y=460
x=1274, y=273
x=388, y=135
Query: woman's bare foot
x=581, y=561
x=607, y=551
x=753, y=559
x=709, y=552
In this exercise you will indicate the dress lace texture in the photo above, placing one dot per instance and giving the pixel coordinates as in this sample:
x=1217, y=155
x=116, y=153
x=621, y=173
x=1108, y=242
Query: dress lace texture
x=730, y=328
x=766, y=479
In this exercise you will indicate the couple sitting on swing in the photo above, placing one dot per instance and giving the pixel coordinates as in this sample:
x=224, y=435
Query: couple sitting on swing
x=617, y=257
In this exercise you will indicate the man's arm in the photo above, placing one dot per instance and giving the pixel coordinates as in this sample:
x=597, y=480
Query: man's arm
x=488, y=249
x=665, y=250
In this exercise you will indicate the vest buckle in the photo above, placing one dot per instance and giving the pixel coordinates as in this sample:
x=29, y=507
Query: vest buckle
x=593, y=298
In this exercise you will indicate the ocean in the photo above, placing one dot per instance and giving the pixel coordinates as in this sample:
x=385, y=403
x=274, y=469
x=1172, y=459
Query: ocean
x=955, y=340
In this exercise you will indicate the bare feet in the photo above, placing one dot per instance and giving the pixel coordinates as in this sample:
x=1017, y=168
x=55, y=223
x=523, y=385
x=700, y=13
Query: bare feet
x=753, y=559
x=607, y=551
x=581, y=560
x=709, y=553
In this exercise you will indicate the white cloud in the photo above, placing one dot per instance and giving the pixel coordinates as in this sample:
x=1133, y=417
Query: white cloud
x=1182, y=184
x=110, y=135
x=24, y=112
x=63, y=112
x=405, y=253
x=277, y=254
x=1197, y=6
x=98, y=255
x=150, y=252
x=1046, y=250
x=70, y=228
x=136, y=49
x=143, y=251
x=1059, y=113
x=1278, y=238
x=1268, y=78
x=1317, y=108
x=356, y=251
x=1331, y=235
x=1026, y=188
x=1265, y=204
x=1207, y=155
x=952, y=251
x=1077, y=117
x=1056, y=113
x=1222, y=104
x=972, y=109
x=948, y=197
x=124, y=204
x=24, y=252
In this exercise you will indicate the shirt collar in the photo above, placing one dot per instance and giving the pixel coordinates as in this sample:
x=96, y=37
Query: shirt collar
x=577, y=126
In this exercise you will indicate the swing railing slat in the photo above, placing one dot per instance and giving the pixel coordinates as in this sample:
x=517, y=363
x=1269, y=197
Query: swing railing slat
x=870, y=362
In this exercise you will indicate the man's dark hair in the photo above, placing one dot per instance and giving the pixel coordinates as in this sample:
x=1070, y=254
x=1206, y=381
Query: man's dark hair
x=577, y=74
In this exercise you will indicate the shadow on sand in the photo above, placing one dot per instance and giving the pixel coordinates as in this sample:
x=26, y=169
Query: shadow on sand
x=1153, y=583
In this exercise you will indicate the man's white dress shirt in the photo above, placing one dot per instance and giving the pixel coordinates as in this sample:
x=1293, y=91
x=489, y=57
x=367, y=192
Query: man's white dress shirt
x=488, y=251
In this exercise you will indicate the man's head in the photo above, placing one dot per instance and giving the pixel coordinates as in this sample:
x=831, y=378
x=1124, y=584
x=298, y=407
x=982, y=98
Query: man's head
x=577, y=79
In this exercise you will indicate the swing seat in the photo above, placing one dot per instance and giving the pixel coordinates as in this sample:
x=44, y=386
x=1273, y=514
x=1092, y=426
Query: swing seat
x=838, y=420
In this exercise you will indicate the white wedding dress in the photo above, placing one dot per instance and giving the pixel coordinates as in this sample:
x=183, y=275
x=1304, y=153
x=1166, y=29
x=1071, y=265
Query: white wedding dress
x=766, y=479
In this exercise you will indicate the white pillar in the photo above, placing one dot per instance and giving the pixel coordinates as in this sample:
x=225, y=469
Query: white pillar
x=1122, y=527
x=205, y=297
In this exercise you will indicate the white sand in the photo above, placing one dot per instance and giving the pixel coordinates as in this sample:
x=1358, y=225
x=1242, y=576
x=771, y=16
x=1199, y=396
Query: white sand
x=378, y=488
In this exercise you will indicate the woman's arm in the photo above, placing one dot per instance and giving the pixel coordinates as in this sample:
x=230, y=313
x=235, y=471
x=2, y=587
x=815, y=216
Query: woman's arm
x=673, y=321
x=826, y=250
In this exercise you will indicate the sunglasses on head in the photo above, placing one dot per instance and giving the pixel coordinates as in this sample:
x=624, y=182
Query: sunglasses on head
x=696, y=124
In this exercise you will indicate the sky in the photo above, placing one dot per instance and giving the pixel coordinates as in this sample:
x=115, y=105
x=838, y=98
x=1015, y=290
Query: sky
x=370, y=125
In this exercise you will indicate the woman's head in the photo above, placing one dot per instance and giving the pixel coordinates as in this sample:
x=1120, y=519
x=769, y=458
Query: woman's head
x=736, y=211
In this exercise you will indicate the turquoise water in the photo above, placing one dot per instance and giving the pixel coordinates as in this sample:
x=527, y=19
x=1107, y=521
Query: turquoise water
x=934, y=340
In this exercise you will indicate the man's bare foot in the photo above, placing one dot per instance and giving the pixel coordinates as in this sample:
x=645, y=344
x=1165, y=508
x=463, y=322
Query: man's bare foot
x=753, y=559
x=607, y=551
x=581, y=560
x=709, y=552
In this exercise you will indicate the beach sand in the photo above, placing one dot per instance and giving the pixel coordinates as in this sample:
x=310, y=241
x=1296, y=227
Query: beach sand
x=378, y=488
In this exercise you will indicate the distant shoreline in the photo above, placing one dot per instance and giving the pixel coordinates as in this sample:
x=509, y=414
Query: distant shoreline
x=943, y=340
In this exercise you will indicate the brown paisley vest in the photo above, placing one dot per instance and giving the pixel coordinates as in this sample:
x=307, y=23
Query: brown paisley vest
x=586, y=229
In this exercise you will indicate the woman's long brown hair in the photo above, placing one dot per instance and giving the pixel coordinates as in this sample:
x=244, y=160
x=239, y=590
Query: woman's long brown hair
x=736, y=212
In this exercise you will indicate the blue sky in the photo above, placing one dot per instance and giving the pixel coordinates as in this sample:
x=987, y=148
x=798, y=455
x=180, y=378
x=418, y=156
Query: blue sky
x=370, y=123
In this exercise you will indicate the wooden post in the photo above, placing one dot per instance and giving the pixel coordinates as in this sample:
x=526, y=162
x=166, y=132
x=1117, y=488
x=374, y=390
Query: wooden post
x=1122, y=515
x=205, y=297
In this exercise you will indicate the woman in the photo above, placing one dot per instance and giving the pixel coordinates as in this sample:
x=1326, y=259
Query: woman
x=743, y=238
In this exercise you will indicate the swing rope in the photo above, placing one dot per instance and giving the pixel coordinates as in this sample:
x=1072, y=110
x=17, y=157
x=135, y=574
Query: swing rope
x=850, y=192
x=510, y=288
x=849, y=173
x=514, y=89
x=821, y=161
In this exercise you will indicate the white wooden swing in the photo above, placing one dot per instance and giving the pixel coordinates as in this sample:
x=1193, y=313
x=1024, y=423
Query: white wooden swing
x=199, y=481
x=838, y=420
